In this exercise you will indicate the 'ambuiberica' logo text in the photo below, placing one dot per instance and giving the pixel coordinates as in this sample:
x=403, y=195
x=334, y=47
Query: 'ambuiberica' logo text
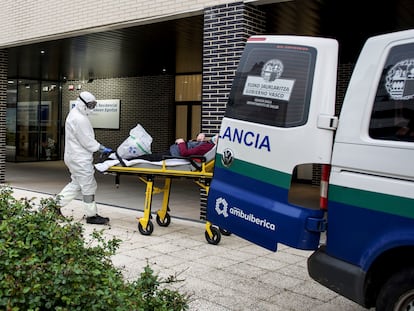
x=222, y=208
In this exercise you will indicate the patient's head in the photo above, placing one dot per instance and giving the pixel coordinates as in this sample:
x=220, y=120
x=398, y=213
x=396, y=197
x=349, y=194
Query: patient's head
x=201, y=137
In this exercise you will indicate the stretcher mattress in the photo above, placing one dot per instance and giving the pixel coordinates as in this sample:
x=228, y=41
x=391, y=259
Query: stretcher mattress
x=179, y=164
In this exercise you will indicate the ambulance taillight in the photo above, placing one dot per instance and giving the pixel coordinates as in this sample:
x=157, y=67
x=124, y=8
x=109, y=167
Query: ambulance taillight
x=323, y=201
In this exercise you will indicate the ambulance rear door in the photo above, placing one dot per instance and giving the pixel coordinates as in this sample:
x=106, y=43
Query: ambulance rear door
x=280, y=114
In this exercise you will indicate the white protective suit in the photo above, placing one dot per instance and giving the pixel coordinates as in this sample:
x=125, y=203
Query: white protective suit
x=80, y=144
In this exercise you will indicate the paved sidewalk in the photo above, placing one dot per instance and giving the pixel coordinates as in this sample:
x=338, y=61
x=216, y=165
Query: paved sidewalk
x=234, y=275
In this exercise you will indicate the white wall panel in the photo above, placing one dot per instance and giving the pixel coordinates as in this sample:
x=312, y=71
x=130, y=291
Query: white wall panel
x=24, y=21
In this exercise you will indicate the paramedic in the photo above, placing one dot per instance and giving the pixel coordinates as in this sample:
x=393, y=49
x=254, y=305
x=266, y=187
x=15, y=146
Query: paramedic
x=80, y=144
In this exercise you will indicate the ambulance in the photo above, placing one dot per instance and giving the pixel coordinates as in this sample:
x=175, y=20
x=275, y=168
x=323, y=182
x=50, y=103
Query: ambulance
x=280, y=133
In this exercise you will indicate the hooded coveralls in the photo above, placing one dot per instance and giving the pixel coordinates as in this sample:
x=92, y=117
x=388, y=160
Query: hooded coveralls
x=80, y=144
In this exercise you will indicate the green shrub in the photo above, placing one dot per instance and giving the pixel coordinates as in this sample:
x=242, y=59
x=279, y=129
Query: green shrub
x=46, y=264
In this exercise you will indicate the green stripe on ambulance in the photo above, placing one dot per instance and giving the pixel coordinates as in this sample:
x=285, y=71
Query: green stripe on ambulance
x=380, y=202
x=260, y=173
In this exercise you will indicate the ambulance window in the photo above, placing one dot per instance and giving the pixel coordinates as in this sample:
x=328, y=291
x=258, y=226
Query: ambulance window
x=392, y=116
x=273, y=85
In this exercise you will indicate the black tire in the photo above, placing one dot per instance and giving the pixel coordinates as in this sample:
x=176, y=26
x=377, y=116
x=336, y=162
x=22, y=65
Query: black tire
x=166, y=222
x=148, y=230
x=225, y=232
x=397, y=294
x=215, y=239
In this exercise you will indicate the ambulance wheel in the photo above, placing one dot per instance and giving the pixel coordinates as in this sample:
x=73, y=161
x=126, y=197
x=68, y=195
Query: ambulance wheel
x=166, y=222
x=148, y=230
x=215, y=239
x=225, y=232
x=398, y=292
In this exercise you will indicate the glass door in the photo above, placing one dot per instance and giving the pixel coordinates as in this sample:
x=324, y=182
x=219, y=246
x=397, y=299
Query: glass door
x=187, y=106
x=32, y=121
x=11, y=127
x=49, y=122
x=27, y=130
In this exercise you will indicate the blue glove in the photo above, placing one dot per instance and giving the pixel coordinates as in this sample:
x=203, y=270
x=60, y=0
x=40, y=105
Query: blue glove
x=105, y=150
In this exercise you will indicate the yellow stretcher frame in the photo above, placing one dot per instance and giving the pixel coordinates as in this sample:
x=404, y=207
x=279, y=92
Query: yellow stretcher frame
x=202, y=177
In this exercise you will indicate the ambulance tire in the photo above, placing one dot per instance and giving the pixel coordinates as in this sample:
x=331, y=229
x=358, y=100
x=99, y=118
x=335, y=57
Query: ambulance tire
x=148, y=230
x=164, y=223
x=397, y=293
x=215, y=239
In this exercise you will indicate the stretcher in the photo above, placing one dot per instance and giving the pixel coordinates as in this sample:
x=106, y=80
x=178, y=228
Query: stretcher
x=197, y=168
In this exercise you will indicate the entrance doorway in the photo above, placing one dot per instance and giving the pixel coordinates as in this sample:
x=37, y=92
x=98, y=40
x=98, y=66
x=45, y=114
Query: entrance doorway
x=187, y=106
x=32, y=119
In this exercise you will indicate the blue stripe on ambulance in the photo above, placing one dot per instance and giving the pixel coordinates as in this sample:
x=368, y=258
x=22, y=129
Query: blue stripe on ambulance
x=372, y=230
x=266, y=217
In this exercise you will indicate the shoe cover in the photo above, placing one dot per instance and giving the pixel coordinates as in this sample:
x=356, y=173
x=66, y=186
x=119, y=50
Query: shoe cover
x=67, y=194
x=90, y=209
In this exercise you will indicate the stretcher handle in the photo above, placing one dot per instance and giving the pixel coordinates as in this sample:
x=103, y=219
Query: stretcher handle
x=120, y=159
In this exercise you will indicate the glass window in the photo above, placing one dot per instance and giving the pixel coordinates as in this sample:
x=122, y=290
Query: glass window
x=188, y=88
x=32, y=120
x=188, y=105
x=392, y=116
x=273, y=85
x=11, y=120
x=27, y=120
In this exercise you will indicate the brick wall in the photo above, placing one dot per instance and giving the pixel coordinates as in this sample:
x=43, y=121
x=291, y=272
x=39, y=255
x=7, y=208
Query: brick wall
x=3, y=106
x=226, y=28
x=146, y=100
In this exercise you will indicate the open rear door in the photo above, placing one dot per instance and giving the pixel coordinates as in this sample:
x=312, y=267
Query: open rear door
x=280, y=114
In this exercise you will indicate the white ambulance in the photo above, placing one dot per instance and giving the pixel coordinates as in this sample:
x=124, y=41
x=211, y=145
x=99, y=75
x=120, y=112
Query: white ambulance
x=280, y=121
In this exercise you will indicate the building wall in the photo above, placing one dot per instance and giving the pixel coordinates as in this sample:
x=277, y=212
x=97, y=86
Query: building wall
x=3, y=107
x=25, y=21
x=226, y=28
x=145, y=100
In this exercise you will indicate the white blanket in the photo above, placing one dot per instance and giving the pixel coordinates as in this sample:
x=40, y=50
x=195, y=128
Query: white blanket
x=112, y=161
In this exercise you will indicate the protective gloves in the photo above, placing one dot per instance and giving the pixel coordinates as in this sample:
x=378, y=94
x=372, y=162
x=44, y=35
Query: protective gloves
x=105, y=150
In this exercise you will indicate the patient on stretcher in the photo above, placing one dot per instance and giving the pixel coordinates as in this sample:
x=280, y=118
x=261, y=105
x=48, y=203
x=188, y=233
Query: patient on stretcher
x=181, y=148
x=175, y=157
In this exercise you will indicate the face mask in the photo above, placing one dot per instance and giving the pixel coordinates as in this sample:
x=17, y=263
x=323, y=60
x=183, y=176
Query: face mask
x=91, y=105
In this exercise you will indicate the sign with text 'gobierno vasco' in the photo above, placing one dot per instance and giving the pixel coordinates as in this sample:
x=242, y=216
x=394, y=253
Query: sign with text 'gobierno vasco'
x=105, y=115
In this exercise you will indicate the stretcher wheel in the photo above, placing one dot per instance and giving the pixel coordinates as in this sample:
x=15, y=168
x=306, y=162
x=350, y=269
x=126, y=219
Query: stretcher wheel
x=215, y=239
x=225, y=232
x=166, y=222
x=148, y=230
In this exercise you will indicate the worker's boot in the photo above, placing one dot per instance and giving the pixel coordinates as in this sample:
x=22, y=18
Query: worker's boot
x=92, y=215
x=97, y=220
x=58, y=211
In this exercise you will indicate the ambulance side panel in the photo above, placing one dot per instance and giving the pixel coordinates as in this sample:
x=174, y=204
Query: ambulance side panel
x=371, y=190
x=279, y=115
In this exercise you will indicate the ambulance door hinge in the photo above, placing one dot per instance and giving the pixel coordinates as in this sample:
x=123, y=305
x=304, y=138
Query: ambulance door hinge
x=316, y=224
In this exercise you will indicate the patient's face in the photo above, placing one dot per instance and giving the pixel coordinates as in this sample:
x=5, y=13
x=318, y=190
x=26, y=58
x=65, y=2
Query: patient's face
x=201, y=137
